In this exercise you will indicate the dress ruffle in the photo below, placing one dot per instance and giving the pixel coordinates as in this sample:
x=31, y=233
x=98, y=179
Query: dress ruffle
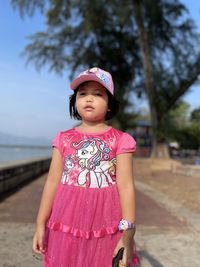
x=80, y=233
x=85, y=212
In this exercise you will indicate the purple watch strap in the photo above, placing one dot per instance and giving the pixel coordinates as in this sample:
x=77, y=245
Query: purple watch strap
x=126, y=226
x=130, y=225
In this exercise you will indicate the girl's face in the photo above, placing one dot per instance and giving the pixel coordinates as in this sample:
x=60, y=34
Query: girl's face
x=92, y=102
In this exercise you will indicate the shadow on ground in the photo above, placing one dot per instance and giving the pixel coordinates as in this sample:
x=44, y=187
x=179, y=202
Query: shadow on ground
x=144, y=255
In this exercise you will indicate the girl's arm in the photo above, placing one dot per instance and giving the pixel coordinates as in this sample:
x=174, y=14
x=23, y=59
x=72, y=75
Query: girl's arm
x=53, y=178
x=125, y=184
x=126, y=189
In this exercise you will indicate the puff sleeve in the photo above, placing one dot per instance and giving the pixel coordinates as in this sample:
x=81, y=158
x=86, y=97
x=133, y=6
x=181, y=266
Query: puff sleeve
x=57, y=142
x=126, y=144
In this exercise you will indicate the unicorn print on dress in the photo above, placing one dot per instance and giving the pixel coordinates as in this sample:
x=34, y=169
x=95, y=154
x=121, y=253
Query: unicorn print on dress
x=68, y=166
x=93, y=158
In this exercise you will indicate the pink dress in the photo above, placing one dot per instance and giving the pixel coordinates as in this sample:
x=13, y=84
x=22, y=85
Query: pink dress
x=82, y=230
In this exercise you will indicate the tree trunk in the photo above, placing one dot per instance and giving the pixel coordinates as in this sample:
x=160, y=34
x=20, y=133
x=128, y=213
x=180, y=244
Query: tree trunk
x=158, y=150
x=162, y=150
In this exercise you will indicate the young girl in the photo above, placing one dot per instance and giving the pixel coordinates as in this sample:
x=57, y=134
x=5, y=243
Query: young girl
x=87, y=211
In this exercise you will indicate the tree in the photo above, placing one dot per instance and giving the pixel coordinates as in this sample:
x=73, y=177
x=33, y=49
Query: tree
x=184, y=126
x=195, y=115
x=82, y=34
x=150, y=47
x=163, y=94
x=179, y=116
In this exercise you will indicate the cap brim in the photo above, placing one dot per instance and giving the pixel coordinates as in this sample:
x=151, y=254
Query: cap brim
x=87, y=78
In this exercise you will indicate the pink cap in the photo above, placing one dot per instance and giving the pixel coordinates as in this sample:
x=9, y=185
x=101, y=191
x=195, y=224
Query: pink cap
x=97, y=75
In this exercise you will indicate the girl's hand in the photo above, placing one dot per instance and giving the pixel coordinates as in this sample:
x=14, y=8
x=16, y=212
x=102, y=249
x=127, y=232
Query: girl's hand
x=128, y=244
x=38, y=240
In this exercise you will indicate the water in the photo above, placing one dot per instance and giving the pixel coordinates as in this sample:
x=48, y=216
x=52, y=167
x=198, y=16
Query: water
x=12, y=154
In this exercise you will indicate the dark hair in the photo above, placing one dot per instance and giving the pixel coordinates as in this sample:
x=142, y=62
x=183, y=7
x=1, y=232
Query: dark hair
x=113, y=106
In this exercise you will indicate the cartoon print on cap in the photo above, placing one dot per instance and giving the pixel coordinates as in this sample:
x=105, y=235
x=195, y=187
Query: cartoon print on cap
x=94, y=70
x=102, y=76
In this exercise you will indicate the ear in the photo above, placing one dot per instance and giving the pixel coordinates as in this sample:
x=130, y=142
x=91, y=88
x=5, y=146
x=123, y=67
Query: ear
x=92, y=143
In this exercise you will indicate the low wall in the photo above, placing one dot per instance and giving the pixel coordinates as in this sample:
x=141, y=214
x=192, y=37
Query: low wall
x=13, y=175
x=172, y=165
x=186, y=169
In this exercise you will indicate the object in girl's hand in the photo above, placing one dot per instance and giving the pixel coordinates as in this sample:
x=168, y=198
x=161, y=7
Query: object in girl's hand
x=135, y=260
x=117, y=258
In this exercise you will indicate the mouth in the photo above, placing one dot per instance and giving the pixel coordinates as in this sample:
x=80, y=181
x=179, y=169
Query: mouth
x=88, y=108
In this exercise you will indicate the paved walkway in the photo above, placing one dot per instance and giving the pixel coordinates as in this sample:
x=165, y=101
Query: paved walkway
x=167, y=232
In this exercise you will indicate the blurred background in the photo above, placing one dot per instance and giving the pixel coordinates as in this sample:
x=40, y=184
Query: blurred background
x=150, y=47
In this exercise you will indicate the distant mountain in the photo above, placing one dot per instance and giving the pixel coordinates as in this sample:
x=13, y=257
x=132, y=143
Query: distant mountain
x=8, y=139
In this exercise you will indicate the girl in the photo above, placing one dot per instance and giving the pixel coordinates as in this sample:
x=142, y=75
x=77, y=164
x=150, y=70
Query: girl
x=87, y=210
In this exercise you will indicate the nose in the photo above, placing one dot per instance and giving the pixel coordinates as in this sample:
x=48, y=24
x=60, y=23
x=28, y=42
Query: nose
x=89, y=98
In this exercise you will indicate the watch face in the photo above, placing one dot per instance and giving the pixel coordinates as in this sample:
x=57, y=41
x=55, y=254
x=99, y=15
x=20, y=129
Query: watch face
x=124, y=224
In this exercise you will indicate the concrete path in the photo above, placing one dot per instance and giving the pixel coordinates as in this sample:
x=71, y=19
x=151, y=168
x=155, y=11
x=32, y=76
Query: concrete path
x=167, y=232
x=17, y=217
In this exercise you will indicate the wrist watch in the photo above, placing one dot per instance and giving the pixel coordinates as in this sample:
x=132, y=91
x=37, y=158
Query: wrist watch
x=125, y=225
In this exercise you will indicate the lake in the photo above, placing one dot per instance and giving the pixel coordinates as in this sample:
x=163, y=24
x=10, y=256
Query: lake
x=11, y=154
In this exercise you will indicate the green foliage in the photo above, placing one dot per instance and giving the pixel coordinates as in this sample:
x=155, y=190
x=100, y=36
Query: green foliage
x=184, y=127
x=179, y=115
x=28, y=7
x=189, y=137
x=195, y=115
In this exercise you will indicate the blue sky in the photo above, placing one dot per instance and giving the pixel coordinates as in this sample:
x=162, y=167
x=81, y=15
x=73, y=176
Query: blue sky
x=36, y=103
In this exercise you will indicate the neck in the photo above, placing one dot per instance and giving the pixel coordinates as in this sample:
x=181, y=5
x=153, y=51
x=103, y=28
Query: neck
x=93, y=126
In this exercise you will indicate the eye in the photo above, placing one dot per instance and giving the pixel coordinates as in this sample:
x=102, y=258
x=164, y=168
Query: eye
x=82, y=93
x=83, y=152
x=98, y=94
